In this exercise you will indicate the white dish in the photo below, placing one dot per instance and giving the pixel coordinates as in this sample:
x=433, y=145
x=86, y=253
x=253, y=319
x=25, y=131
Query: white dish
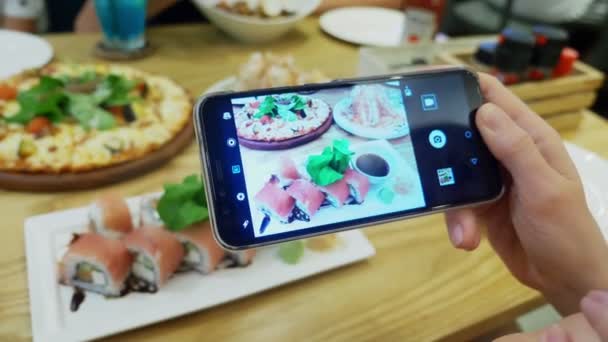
x=46, y=237
x=253, y=29
x=374, y=26
x=21, y=51
x=384, y=151
x=341, y=107
x=228, y=83
x=593, y=171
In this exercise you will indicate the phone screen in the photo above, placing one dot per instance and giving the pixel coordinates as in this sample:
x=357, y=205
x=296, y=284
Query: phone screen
x=295, y=162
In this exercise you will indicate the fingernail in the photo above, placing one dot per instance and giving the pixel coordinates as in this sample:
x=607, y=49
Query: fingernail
x=457, y=235
x=595, y=303
x=492, y=117
x=554, y=334
x=598, y=296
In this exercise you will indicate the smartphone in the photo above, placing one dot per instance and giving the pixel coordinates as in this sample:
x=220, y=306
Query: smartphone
x=288, y=163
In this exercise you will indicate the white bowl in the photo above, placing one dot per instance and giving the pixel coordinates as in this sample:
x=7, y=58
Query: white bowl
x=253, y=29
x=380, y=152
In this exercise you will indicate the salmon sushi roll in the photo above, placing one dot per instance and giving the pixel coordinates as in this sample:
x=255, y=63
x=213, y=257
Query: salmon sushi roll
x=275, y=202
x=241, y=258
x=358, y=184
x=97, y=264
x=308, y=198
x=110, y=216
x=203, y=253
x=337, y=193
x=288, y=170
x=158, y=254
x=148, y=213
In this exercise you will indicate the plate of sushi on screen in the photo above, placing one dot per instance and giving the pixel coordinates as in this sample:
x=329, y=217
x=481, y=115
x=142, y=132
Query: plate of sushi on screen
x=123, y=263
x=336, y=183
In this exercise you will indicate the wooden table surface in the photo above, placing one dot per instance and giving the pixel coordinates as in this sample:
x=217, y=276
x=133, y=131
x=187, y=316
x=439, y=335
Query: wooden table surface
x=416, y=288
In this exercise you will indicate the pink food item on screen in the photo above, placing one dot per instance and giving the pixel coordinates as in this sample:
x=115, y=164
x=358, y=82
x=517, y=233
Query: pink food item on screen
x=288, y=169
x=337, y=193
x=275, y=202
x=308, y=197
x=358, y=184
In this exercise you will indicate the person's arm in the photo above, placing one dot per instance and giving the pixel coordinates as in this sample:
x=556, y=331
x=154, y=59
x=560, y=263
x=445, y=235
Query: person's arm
x=87, y=21
x=22, y=15
x=331, y=4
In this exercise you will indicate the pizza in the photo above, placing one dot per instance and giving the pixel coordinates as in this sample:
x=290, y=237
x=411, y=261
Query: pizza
x=80, y=117
x=281, y=117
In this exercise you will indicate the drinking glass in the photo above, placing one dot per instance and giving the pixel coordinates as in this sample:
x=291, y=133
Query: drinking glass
x=123, y=23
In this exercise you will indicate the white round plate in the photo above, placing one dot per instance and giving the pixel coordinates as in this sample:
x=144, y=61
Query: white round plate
x=21, y=51
x=227, y=83
x=593, y=170
x=375, y=26
x=362, y=131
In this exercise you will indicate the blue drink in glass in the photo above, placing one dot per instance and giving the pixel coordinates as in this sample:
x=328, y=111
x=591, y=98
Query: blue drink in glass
x=123, y=23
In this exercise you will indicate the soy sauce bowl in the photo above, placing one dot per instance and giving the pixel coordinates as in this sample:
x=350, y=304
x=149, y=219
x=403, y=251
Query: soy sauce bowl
x=374, y=165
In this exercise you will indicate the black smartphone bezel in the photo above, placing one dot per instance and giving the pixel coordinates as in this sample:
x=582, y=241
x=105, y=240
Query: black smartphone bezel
x=222, y=209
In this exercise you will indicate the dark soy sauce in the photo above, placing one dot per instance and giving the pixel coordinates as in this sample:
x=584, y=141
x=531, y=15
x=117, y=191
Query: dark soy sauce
x=77, y=299
x=373, y=165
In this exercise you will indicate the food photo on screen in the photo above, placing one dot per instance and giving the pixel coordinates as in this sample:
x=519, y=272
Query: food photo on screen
x=323, y=157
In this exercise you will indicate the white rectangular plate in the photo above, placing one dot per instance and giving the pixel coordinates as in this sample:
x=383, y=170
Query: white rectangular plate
x=46, y=238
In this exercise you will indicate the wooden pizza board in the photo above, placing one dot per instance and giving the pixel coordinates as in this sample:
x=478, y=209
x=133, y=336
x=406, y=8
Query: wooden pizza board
x=96, y=178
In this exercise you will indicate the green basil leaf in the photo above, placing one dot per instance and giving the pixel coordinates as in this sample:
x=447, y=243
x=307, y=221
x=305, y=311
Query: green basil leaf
x=183, y=204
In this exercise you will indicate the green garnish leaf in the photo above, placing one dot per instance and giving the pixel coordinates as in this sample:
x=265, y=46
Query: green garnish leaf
x=298, y=102
x=291, y=252
x=114, y=91
x=183, y=204
x=84, y=108
x=267, y=107
x=329, y=166
x=386, y=195
x=285, y=113
x=44, y=99
x=284, y=106
x=49, y=98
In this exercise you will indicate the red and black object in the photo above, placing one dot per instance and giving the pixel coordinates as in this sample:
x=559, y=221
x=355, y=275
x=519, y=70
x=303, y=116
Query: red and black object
x=513, y=55
x=486, y=54
x=564, y=67
x=550, y=41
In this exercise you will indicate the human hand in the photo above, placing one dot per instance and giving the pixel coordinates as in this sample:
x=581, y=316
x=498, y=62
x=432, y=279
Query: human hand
x=589, y=326
x=541, y=228
x=86, y=20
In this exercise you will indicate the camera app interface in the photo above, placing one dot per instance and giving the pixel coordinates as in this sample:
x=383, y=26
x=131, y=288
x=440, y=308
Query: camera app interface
x=312, y=159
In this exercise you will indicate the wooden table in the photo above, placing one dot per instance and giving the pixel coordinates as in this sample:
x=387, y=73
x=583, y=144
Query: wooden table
x=416, y=288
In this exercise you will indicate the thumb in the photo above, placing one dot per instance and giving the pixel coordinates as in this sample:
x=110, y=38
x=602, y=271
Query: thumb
x=514, y=148
x=595, y=309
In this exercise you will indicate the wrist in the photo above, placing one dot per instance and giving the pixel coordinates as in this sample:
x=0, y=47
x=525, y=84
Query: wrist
x=589, y=272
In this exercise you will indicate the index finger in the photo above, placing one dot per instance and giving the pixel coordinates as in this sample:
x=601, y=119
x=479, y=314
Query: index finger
x=545, y=137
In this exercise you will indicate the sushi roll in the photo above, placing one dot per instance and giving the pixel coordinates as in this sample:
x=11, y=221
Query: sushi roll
x=288, y=171
x=275, y=202
x=97, y=264
x=241, y=258
x=308, y=198
x=110, y=216
x=149, y=216
x=202, y=252
x=158, y=254
x=337, y=193
x=358, y=184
